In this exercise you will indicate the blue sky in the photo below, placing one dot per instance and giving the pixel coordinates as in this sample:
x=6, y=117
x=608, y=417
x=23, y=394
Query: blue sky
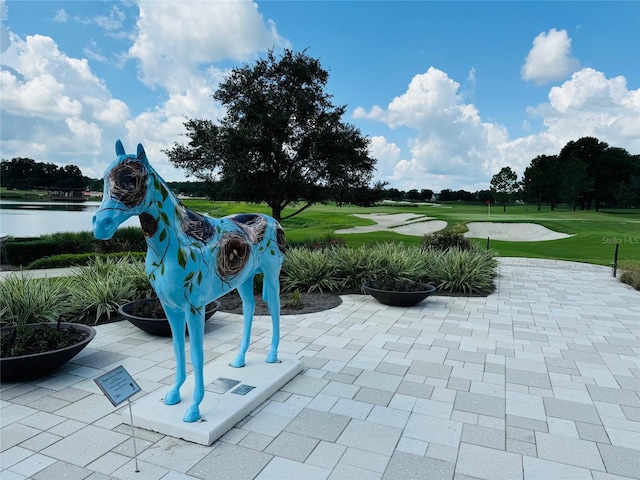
x=448, y=92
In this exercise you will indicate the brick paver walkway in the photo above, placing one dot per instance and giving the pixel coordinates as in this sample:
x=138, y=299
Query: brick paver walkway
x=539, y=380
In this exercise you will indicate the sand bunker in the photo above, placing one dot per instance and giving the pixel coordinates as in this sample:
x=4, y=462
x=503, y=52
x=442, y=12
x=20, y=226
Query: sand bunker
x=419, y=225
x=403, y=223
x=513, y=232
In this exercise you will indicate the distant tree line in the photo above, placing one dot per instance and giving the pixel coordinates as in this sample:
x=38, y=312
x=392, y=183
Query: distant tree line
x=586, y=174
x=428, y=195
x=27, y=174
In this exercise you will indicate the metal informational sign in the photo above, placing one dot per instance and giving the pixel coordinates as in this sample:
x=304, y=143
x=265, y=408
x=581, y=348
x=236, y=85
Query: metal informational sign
x=117, y=385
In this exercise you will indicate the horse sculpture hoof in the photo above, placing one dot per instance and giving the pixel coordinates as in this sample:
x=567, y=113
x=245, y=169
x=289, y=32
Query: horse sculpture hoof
x=172, y=397
x=238, y=362
x=272, y=358
x=191, y=415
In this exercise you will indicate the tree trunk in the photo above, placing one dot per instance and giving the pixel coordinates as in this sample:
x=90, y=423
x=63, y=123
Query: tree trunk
x=276, y=212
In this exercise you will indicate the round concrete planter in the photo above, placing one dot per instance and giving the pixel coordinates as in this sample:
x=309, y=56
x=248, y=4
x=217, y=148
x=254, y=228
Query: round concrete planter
x=397, y=298
x=157, y=326
x=24, y=367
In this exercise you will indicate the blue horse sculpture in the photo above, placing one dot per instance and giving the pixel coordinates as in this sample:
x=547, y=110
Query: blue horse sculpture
x=192, y=260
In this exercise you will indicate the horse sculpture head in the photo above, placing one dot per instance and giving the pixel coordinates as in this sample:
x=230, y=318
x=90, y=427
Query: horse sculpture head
x=126, y=182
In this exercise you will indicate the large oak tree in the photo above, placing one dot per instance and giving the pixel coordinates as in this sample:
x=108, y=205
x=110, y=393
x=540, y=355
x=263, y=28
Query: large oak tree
x=281, y=141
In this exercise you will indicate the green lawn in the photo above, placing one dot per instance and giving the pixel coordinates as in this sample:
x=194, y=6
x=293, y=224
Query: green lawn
x=594, y=233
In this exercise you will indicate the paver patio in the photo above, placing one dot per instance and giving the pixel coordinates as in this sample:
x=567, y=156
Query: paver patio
x=539, y=380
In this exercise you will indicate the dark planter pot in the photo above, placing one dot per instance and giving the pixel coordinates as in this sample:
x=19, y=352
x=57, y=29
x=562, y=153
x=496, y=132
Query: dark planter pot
x=157, y=326
x=24, y=367
x=400, y=299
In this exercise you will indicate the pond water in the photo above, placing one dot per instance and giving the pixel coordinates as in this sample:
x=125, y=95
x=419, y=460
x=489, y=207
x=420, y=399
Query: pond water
x=33, y=219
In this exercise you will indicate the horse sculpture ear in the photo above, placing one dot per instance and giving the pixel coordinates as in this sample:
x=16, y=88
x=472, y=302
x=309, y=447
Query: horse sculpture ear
x=141, y=153
x=119, y=148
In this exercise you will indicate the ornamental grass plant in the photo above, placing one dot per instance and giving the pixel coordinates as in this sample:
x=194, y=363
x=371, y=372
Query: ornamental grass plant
x=309, y=270
x=396, y=261
x=354, y=266
x=98, y=290
x=88, y=295
x=24, y=299
x=630, y=273
x=452, y=271
x=468, y=272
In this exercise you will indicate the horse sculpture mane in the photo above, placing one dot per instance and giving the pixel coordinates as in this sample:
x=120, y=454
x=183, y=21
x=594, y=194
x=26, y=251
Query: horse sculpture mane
x=192, y=260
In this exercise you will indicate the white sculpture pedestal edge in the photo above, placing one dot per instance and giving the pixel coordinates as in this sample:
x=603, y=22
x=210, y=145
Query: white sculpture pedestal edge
x=219, y=412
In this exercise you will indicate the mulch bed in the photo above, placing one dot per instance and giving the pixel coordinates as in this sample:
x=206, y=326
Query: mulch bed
x=309, y=303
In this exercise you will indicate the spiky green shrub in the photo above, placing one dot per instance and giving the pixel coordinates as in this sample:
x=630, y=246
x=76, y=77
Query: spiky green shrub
x=100, y=288
x=345, y=269
x=309, y=270
x=398, y=261
x=24, y=299
x=630, y=273
x=462, y=271
x=292, y=301
x=446, y=240
x=353, y=266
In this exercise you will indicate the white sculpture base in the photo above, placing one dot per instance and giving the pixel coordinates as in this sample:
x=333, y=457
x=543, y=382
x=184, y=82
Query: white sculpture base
x=219, y=411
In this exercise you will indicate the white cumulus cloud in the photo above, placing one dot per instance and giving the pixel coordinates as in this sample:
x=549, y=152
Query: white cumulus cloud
x=550, y=58
x=590, y=104
x=175, y=38
x=451, y=141
x=452, y=146
x=55, y=109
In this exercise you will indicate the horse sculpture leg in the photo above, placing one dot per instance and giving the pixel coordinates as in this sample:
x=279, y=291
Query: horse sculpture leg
x=271, y=295
x=196, y=340
x=177, y=323
x=248, y=307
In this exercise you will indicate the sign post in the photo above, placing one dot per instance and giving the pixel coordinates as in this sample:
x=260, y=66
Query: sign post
x=118, y=386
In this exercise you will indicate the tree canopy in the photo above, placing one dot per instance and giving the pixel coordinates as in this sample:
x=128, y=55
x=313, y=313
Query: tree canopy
x=504, y=186
x=26, y=174
x=281, y=140
x=587, y=172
